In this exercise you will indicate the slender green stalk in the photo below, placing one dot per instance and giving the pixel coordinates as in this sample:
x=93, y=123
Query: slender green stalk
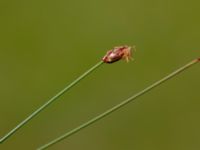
x=50, y=101
x=118, y=106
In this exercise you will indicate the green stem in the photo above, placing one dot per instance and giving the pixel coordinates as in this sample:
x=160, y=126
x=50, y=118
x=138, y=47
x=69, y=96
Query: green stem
x=118, y=106
x=67, y=88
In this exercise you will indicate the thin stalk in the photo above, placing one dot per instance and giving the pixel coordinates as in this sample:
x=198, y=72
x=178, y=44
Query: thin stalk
x=50, y=101
x=118, y=106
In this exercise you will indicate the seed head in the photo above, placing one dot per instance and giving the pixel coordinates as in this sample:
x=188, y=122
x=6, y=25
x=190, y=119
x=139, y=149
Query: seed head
x=117, y=53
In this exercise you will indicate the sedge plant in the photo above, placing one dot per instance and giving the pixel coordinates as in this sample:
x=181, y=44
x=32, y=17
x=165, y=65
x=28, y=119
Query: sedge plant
x=121, y=52
x=116, y=54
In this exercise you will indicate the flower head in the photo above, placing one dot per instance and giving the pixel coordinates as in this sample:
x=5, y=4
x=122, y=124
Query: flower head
x=117, y=53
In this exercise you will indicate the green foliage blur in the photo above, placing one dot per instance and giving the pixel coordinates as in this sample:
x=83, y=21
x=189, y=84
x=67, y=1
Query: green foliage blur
x=44, y=45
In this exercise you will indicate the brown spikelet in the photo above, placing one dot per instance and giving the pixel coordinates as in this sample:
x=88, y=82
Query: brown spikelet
x=117, y=53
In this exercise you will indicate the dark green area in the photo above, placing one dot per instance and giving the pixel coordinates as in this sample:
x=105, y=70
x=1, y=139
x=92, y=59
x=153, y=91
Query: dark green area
x=44, y=45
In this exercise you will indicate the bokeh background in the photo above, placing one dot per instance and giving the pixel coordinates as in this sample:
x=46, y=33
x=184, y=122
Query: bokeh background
x=44, y=45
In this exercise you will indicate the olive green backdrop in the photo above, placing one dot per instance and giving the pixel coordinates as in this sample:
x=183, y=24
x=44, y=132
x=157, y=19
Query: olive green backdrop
x=44, y=45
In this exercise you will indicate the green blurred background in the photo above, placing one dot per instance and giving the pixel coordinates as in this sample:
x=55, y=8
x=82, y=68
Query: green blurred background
x=44, y=45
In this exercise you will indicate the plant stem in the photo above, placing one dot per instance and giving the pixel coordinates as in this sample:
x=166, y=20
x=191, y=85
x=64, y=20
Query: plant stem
x=50, y=101
x=118, y=106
